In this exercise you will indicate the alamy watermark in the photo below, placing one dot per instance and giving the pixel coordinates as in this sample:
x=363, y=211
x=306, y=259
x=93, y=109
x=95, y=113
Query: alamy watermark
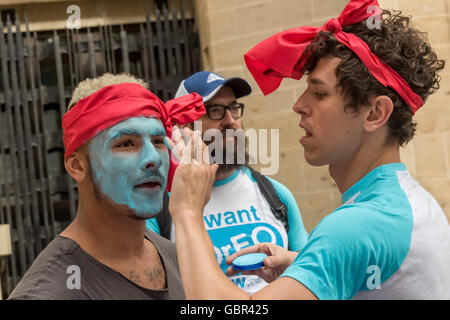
x=374, y=280
x=74, y=20
x=74, y=280
x=374, y=21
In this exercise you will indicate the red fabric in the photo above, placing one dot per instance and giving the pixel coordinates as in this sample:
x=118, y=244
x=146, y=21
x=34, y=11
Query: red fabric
x=281, y=55
x=115, y=103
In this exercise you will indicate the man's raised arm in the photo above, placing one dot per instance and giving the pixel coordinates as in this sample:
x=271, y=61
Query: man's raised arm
x=201, y=275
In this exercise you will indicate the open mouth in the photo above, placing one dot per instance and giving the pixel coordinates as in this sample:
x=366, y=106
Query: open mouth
x=149, y=185
x=307, y=133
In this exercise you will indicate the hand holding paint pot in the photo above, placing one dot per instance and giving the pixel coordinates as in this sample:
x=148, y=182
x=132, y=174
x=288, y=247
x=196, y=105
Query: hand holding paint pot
x=275, y=260
x=194, y=176
x=248, y=262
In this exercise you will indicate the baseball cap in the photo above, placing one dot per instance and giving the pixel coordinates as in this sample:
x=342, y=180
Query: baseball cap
x=207, y=84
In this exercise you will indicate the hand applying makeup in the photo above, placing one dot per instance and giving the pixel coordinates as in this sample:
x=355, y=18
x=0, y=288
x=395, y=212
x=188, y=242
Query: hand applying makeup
x=201, y=275
x=193, y=177
x=191, y=188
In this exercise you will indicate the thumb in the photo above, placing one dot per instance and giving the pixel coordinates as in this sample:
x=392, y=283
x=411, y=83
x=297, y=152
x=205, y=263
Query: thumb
x=276, y=261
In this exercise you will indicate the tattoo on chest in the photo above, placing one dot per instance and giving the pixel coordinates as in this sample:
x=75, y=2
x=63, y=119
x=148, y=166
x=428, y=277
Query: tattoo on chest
x=134, y=276
x=153, y=275
x=149, y=275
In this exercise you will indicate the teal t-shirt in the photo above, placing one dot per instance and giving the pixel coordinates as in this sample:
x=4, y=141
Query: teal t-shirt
x=389, y=240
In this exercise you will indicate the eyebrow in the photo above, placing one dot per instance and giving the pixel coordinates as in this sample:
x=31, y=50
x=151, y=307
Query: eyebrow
x=317, y=81
x=132, y=132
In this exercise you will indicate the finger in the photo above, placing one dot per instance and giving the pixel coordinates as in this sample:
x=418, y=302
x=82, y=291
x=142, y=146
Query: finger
x=253, y=249
x=169, y=143
x=231, y=272
x=177, y=136
x=187, y=133
x=178, y=148
x=214, y=168
x=262, y=272
x=277, y=261
x=171, y=146
x=267, y=274
x=201, y=151
x=196, y=153
x=188, y=151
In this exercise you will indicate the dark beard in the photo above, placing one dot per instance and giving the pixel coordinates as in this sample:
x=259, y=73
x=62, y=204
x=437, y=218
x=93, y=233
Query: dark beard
x=226, y=168
x=239, y=160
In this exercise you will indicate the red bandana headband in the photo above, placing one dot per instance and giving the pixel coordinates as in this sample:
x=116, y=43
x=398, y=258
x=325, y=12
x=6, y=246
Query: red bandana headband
x=115, y=103
x=282, y=55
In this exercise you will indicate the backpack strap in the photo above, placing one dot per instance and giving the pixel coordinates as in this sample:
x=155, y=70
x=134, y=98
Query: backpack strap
x=164, y=219
x=278, y=208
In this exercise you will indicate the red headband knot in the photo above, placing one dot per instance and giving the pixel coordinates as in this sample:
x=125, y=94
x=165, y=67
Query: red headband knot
x=118, y=102
x=333, y=25
x=283, y=55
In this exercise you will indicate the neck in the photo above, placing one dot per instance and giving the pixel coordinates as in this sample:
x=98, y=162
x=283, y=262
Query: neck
x=348, y=172
x=105, y=232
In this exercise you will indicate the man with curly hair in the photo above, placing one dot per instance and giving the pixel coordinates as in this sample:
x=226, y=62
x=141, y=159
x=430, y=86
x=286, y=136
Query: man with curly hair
x=389, y=239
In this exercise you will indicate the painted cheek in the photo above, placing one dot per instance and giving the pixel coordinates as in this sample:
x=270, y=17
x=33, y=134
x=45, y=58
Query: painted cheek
x=112, y=173
x=165, y=164
x=149, y=155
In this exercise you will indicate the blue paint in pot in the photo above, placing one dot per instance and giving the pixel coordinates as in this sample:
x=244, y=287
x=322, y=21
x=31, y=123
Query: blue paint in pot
x=250, y=261
x=130, y=154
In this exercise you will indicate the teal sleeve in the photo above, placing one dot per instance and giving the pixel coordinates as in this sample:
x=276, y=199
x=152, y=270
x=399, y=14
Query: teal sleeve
x=297, y=235
x=152, y=225
x=347, y=252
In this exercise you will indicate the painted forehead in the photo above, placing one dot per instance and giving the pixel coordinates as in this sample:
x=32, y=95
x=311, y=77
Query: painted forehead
x=138, y=126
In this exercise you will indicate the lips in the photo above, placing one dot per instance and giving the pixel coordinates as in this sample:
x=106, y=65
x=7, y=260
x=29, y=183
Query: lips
x=308, y=132
x=149, y=184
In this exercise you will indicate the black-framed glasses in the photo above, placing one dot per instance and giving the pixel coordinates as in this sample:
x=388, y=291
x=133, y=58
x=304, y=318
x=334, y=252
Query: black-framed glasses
x=217, y=111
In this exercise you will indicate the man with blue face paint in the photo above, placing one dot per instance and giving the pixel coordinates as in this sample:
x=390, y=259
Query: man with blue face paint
x=114, y=136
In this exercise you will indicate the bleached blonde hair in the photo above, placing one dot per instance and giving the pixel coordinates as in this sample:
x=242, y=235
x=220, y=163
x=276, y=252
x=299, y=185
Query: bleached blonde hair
x=89, y=86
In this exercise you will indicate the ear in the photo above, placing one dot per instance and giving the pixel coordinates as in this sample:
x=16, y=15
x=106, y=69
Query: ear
x=77, y=166
x=379, y=113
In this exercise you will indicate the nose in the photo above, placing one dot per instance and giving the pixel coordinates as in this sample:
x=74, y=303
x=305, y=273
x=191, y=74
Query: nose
x=300, y=106
x=228, y=121
x=150, y=157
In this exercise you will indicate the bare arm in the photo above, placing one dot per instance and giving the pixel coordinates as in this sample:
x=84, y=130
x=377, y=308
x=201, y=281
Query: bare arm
x=201, y=275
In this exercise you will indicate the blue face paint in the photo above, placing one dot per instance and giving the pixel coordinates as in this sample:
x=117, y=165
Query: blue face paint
x=130, y=164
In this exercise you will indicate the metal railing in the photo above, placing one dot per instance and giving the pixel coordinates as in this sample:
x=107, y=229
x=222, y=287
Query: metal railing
x=38, y=72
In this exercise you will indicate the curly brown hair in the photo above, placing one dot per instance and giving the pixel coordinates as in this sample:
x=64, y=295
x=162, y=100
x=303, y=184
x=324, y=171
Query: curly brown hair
x=396, y=43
